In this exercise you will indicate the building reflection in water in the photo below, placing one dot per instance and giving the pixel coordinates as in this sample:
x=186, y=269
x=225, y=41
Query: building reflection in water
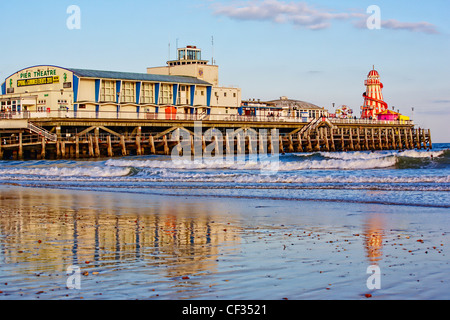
x=53, y=230
x=374, y=230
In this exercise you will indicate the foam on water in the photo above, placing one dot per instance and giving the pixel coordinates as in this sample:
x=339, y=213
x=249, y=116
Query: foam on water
x=96, y=171
x=259, y=165
x=387, y=171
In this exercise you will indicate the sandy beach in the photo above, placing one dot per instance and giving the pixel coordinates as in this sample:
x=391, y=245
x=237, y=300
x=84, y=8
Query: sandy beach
x=144, y=246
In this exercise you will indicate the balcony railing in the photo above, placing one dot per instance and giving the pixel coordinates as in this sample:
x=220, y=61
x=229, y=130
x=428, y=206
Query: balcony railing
x=111, y=115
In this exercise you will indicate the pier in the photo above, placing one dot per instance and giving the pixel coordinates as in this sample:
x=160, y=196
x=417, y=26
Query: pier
x=84, y=138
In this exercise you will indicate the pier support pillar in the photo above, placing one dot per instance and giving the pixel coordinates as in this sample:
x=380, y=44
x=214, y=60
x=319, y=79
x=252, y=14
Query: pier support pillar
x=300, y=143
x=58, y=149
x=325, y=136
x=400, y=144
x=218, y=148
x=123, y=145
x=166, y=146
x=411, y=138
x=380, y=142
x=239, y=144
x=418, y=146
x=227, y=144
x=386, y=139
x=96, y=142
x=20, y=154
x=430, y=144
x=262, y=142
x=372, y=138
x=366, y=140
x=291, y=144
x=77, y=147
x=138, y=145
x=110, y=151
x=394, y=143
x=178, y=146
x=281, y=144
x=152, y=144
x=317, y=144
x=91, y=147
x=333, y=146
x=358, y=139
x=309, y=145
x=423, y=139
x=63, y=149
x=42, y=148
x=203, y=145
x=352, y=146
x=406, y=137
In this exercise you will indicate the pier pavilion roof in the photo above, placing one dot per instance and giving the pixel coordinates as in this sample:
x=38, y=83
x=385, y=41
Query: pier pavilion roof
x=291, y=103
x=117, y=75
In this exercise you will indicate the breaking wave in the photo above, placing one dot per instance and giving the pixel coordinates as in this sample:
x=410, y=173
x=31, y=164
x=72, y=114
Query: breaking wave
x=386, y=176
x=97, y=171
x=326, y=164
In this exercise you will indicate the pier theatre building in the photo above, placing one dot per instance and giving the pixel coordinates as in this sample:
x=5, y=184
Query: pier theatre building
x=186, y=86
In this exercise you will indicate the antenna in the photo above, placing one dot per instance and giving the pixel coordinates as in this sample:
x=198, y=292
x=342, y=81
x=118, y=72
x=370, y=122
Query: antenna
x=169, y=52
x=212, y=42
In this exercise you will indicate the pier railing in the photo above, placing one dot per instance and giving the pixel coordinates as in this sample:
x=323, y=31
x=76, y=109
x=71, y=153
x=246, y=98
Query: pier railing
x=125, y=115
x=42, y=132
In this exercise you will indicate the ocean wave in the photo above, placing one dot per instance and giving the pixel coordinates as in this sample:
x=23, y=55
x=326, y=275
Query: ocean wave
x=248, y=178
x=259, y=165
x=100, y=172
x=420, y=154
x=357, y=155
x=381, y=154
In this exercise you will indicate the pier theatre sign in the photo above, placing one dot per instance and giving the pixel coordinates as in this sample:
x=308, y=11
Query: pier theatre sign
x=39, y=77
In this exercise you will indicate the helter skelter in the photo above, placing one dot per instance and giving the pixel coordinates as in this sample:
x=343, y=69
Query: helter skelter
x=373, y=97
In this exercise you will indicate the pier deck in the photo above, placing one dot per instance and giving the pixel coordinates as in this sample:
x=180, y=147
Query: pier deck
x=61, y=138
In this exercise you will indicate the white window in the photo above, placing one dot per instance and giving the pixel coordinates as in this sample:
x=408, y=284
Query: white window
x=108, y=91
x=166, y=96
x=183, y=95
x=148, y=93
x=128, y=92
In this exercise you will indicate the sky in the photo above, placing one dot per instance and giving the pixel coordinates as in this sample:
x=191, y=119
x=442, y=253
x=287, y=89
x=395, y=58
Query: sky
x=316, y=51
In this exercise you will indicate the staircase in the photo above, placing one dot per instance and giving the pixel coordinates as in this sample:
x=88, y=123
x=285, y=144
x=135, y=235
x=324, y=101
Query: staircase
x=42, y=132
x=203, y=115
x=315, y=124
x=311, y=125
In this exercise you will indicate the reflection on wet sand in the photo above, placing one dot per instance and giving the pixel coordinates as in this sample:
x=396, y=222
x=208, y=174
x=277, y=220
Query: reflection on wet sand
x=49, y=232
x=374, y=230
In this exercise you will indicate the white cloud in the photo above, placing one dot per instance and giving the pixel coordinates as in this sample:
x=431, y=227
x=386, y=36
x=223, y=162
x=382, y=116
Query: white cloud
x=301, y=14
x=425, y=27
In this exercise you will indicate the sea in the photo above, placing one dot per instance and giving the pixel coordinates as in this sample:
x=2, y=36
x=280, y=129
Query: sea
x=301, y=226
x=410, y=177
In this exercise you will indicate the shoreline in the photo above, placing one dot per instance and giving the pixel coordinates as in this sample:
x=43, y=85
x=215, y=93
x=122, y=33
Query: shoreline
x=221, y=197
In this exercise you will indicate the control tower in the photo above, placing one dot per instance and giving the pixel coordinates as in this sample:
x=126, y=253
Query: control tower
x=189, y=63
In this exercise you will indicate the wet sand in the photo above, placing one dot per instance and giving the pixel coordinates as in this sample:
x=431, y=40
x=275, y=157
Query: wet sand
x=136, y=246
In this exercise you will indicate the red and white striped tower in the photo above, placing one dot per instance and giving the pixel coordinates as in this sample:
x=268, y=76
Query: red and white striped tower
x=373, y=97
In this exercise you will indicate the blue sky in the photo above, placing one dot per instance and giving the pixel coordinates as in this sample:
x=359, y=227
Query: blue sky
x=317, y=51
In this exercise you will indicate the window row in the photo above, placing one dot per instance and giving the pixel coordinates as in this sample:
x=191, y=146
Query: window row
x=108, y=93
